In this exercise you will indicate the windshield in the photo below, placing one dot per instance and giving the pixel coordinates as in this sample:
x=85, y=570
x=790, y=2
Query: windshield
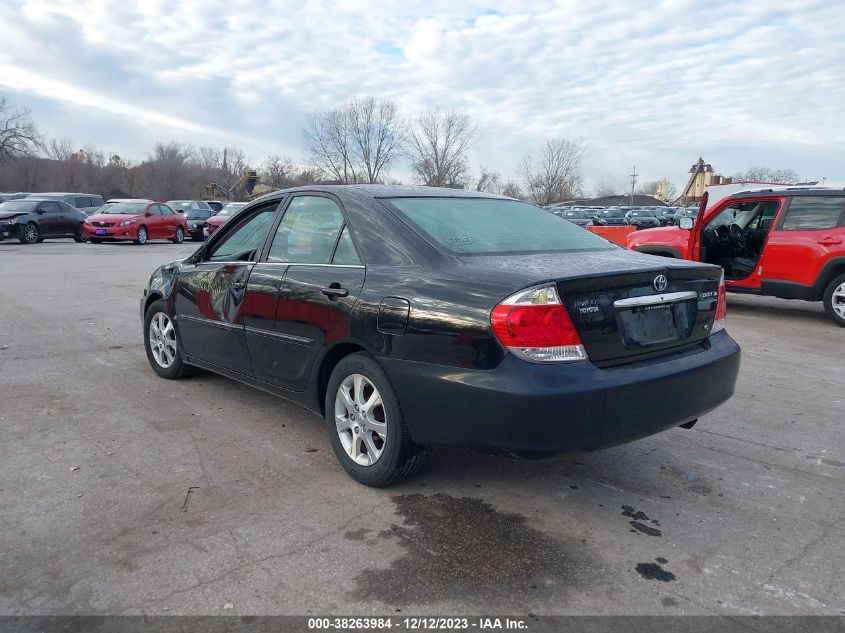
x=613, y=213
x=126, y=208
x=579, y=215
x=18, y=206
x=179, y=205
x=197, y=214
x=648, y=213
x=229, y=209
x=485, y=225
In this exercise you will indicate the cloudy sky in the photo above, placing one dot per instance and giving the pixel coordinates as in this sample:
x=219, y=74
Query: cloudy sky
x=653, y=84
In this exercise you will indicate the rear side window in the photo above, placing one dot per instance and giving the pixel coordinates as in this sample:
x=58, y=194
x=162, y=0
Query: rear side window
x=82, y=202
x=484, y=225
x=345, y=253
x=308, y=231
x=810, y=213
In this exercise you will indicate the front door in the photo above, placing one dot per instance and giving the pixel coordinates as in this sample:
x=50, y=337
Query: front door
x=210, y=297
x=803, y=239
x=50, y=222
x=319, y=276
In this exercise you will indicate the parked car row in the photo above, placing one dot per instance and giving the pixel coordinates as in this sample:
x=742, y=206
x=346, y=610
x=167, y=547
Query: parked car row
x=639, y=217
x=32, y=218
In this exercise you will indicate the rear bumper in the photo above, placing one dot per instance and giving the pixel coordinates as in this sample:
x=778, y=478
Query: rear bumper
x=536, y=410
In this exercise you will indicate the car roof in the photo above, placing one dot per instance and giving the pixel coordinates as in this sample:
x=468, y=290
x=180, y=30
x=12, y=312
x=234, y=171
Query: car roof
x=789, y=191
x=129, y=200
x=392, y=191
x=61, y=193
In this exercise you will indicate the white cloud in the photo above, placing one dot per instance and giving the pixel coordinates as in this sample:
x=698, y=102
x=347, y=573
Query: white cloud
x=656, y=83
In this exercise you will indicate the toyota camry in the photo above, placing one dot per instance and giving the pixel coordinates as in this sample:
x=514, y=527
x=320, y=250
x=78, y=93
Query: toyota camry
x=410, y=316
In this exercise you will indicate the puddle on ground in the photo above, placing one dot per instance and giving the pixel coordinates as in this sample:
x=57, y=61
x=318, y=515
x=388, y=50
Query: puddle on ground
x=465, y=547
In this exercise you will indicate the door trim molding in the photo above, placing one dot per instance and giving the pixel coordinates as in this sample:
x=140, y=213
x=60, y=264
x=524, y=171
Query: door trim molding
x=288, y=338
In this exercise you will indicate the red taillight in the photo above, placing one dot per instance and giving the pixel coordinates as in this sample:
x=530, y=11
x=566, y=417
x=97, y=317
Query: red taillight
x=535, y=326
x=721, y=308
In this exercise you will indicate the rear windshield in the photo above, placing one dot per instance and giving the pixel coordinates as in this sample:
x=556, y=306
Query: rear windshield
x=126, y=208
x=483, y=225
x=16, y=206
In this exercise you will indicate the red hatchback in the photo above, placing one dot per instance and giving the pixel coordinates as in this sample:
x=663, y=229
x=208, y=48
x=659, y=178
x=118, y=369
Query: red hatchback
x=787, y=242
x=137, y=221
x=215, y=222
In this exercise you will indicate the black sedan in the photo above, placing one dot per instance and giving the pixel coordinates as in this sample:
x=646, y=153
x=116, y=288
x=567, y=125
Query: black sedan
x=609, y=217
x=412, y=316
x=32, y=220
x=196, y=222
x=643, y=218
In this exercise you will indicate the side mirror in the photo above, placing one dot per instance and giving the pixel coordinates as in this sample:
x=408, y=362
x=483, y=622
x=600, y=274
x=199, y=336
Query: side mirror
x=40, y=211
x=148, y=214
x=686, y=223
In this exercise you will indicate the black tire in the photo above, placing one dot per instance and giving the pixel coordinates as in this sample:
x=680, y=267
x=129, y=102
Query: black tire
x=178, y=369
x=179, y=237
x=29, y=234
x=401, y=457
x=79, y=238
x=142, y=236
x=830, y=300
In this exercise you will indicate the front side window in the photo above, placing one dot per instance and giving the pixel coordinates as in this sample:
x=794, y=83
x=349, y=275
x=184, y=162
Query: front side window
x=52, y=208
x=487, y=225
x=814, y=213
x=242, y=243
x=308, y=231
x=81, y=202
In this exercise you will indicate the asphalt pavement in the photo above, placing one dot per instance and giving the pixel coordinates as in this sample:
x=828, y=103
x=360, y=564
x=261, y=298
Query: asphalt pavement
x=122, y=493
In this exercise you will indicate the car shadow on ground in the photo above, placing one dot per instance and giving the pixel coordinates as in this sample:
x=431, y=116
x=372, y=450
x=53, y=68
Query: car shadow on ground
x=771, y=306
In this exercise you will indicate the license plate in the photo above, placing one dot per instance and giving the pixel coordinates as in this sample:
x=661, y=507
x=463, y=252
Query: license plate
x=100, y=231
x=648, y=325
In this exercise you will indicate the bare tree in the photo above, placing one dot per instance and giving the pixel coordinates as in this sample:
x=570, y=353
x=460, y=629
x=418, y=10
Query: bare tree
x=18, y=134
x=438, y=147
x=661, y=189
x=355, y=142
x=489, y=181
x=377, y=135
x=59, y=149
x=767, y=174
x=328, y=145
x=277, y=171
x=556, y=174
x=513, y=190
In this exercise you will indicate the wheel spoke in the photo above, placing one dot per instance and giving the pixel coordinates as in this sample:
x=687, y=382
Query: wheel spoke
x=355, y=448
x=371, y=447
x=358, y=382
x=373, y=402
x=346, y=400
x=378, y=427
x=342, y=423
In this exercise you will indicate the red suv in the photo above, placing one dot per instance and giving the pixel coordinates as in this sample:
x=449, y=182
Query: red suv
x=136, y=221
x=788, y=242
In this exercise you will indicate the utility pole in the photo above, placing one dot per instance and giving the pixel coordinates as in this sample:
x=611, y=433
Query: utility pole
x=824, y=180
x=633, y=184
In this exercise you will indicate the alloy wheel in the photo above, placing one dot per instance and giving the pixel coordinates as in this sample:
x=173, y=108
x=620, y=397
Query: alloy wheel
x=30, y=234
x=162, y=337
x=142, y=235
x=360, y=419
x=180, y=235
x=837, y=300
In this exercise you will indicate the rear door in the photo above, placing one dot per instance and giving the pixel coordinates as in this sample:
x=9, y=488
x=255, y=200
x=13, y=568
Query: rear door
x=169, y=221
x=313, y=261
x=805, y=236
x=210, y=296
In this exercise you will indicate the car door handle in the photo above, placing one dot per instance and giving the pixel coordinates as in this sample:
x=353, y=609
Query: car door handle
x=334, y=290
x=829, y=241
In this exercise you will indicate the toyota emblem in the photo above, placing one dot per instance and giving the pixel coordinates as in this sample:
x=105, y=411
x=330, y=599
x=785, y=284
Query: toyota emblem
x=660, y=283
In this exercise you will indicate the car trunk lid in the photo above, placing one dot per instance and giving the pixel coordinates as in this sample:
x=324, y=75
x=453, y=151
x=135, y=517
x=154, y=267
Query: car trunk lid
x=617, y=299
